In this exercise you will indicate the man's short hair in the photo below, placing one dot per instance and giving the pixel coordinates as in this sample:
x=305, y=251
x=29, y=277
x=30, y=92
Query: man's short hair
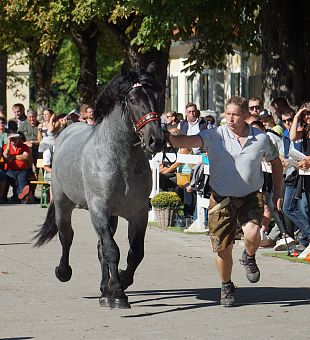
x=256, y=99
x=191, y=104
x=239, y=101
x=84, y=107
x=288, y=111
x=20, y=106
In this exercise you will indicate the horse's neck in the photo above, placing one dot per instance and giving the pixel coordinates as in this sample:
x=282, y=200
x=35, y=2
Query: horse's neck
x=117, y=128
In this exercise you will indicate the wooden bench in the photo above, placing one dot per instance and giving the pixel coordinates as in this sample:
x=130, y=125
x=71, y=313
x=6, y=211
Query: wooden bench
x=44, y=185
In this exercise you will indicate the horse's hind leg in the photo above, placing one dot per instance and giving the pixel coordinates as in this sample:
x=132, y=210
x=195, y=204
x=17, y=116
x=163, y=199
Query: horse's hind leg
x=136, y=234
x=63, y=211
x=104, y=286
x=109, y=257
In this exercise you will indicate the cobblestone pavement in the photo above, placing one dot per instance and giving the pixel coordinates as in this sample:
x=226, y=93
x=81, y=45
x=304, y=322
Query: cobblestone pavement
x=174, y=296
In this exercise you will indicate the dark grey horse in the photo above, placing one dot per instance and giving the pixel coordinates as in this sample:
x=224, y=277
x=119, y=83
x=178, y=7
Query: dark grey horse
x=104, y=169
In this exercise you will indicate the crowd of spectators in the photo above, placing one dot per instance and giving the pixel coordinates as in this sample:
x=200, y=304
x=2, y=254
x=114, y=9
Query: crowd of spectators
x=23, y=140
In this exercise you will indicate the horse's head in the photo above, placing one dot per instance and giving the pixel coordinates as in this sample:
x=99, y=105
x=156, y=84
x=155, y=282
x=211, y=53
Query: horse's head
x=143, y=105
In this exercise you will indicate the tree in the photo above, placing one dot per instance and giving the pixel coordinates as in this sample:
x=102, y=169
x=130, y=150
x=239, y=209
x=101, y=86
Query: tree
x=286, y=50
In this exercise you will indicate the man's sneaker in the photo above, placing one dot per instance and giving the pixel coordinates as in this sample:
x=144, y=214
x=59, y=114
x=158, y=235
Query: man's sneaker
x=228, y=295
x=251, y=269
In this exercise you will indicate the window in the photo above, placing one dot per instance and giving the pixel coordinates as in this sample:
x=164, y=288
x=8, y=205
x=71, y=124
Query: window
x=174, y=94
x=189, y=95
x=204, y=92
x=235, y=84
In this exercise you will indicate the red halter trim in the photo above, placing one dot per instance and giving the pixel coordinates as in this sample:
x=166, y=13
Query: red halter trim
x=149, y=117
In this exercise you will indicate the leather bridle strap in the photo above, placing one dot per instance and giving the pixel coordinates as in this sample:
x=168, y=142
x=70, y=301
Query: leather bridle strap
x=149, y=117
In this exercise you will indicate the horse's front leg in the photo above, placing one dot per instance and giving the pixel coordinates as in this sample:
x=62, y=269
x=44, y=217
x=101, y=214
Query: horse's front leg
x=104, y=285
x=112, y=293
x=136, y=233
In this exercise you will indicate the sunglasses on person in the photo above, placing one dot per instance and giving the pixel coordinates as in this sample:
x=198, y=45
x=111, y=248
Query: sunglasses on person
x=289, y=120
x=254, y=107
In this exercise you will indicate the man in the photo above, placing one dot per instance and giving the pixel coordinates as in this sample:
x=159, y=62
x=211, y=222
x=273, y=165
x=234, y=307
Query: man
x=255, y=106
x=193, y=123
x=235, y=152
x=171, y=119
x=90, y=115
x=279, y=106
x=19, y=114
x=16, y=155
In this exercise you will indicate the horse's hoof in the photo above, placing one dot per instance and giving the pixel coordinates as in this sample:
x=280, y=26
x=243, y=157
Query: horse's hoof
x=63, y=275
x=119, y=303
x=125, y=282
x=104, y=301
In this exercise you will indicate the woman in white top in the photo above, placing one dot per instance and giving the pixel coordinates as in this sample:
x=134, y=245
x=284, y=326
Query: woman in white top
x=47, y=130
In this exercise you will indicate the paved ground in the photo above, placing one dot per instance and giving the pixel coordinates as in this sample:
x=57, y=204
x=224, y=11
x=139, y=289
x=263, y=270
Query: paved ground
x=174, y=296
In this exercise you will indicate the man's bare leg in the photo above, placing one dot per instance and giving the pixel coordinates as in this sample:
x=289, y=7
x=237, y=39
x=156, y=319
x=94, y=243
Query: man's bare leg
x=251, y=242
x=224, y=262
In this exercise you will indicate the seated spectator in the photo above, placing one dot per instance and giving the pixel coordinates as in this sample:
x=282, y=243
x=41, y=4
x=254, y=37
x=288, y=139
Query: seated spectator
x=16, y=156
x=47, y=166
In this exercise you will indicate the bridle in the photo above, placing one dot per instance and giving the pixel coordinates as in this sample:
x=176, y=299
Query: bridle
x=147, y=118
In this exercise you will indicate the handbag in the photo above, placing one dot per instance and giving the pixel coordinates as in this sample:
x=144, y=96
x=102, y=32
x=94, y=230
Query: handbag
x=183, y=179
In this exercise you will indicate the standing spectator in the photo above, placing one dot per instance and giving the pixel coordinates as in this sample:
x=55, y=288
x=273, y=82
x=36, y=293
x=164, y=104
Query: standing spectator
x=193, y=123
x=19, y=114
x=279, y=106
x=90, y=115
x=47, y=130
x=235, y=151
x=296, y=199
x=3, y=133
x=266, y=118
x=16, y=155
x=255, y=106
x=171, y=119
x=83, y=113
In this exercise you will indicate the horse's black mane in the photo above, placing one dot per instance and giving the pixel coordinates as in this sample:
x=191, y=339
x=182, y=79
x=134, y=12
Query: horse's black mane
x=118, y=88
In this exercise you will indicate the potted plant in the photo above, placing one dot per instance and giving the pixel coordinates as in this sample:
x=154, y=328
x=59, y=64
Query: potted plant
x=166, y=204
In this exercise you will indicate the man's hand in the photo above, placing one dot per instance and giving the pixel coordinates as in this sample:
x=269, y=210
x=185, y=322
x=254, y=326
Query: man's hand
x=304, y=164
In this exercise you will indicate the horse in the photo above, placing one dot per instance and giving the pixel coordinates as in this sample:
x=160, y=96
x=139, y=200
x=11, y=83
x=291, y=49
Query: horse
x=105, y=168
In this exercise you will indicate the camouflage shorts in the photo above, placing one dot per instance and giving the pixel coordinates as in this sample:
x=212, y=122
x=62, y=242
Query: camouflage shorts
x=223, y=223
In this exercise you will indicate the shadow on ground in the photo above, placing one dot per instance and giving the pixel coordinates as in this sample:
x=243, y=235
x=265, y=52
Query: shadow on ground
x=171, y=300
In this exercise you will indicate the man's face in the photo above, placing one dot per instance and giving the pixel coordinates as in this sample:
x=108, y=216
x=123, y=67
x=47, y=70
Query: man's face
x=287, y=121
x=191, y=114
x=17, y=112
x=254, y=107
x=235, y=118
x=32, y=119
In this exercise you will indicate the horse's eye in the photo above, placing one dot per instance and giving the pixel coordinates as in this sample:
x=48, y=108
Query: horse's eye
x=132, y=101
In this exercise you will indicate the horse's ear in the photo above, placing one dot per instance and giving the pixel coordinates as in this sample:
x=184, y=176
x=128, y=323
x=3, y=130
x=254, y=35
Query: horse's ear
x=125, y=69
x=152, y=68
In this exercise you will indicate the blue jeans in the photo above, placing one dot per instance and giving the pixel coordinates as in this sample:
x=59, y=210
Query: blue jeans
x=19, y=179
x=298, y=212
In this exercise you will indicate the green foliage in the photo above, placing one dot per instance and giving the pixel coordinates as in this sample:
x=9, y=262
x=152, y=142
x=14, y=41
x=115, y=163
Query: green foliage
x=166, y=199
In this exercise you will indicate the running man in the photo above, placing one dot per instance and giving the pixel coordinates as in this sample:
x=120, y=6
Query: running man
x=236, y=151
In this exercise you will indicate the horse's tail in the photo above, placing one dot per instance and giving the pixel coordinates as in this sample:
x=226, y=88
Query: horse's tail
x=49, y=229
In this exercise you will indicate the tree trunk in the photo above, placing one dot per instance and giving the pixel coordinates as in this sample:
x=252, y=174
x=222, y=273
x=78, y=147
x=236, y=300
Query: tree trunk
x=42, y=66
x=86, y=42
x=285, y=50
x=135, y=59
x=3, y=81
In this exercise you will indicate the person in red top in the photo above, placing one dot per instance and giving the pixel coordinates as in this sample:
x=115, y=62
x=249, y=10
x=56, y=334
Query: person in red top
x=16, y=155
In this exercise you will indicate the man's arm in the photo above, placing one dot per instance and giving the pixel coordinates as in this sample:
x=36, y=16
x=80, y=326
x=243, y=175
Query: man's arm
x=277, y=179
x=188, y=142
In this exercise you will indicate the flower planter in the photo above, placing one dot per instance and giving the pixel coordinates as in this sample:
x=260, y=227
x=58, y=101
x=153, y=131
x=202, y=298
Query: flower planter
x=165, y=217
